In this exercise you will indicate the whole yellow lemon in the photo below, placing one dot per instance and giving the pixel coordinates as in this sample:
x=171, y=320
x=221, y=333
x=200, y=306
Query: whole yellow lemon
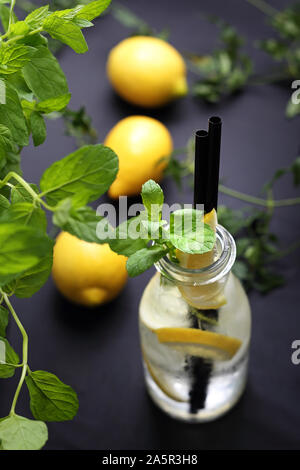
x=87, y=273
x=141, y=144
x=147, y=71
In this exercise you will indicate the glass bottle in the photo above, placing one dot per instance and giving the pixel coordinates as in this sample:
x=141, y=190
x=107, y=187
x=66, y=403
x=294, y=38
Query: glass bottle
x=187, y=379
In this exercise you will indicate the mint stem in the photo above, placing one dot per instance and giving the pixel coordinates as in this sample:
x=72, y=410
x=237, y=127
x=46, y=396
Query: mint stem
x=33, y=194
x=25, y=352
x=257, y=200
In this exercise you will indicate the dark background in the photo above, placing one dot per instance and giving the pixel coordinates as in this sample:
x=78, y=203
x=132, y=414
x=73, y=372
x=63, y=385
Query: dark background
x=97, y=352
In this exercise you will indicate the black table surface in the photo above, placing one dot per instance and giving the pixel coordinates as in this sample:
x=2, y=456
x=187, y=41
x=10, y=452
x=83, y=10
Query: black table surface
x=97, y=352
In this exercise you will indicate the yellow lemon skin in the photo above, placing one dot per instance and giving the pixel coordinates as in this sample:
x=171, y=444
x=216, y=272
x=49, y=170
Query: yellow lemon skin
x=147, y=71
x=143, y=145
x=87, y=273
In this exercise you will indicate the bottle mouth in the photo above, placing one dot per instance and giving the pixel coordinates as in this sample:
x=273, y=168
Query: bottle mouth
x=226, y=252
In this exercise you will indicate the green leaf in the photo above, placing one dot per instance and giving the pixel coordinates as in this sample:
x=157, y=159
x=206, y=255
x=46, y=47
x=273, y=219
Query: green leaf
x=143, y=259
x=19, y=28
x=153, y=199
x=36, y=17
x=19, y=84
x=12, y=163
x=31, y=280
x=4, y=16
x=18, y=433
x=53, y=104
x=11, y=116
x=44, y=76
x=65, y=31
x=6, y=141
x=20, y=194
x=82, y=23
x=287, y=22
x=189, y=234
x=21, y=248
x=8, y=359
x=3, y=320
x=80, y=222
x=93, y=9
x=4, y=203
x=25, y=213
x=83, y=175
x=51, y=399
x=14, y=57
x=122, y=242
x=38, y=128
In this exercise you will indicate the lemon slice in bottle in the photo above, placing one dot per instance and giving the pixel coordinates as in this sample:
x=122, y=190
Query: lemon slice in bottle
x=209, y=296
x=199, y=343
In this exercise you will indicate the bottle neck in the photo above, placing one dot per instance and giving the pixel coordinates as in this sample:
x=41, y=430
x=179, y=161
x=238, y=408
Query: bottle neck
x=224, y=260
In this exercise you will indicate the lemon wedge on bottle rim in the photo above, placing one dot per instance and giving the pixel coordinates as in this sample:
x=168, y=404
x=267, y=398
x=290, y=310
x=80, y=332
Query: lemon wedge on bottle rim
x=199, y=343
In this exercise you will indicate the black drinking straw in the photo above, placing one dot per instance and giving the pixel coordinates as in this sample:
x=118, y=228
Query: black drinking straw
x=201, y=167
x=206, y=182
x=214, y=147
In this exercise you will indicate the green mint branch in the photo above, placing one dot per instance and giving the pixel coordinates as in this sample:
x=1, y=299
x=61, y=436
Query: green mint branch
x=154, y=238
x=35, y=87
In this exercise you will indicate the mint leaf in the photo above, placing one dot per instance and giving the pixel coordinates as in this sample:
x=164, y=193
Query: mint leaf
x=36, y=17
x=44, y=76
x=19, y=28
x=21, y=248
x=8, y=359
x=20, y=194
x=18, y=433
x=4, y=203
x=83, y=175
x=53, y=104
x=38, y=128
x=14, y=57
x=4, y=16
x=3, y=320
x=153, y=199
x=80, y=222
x=189, y=234
x=31, y=280
x=65, y=31
x=25, y=213
x=50, y=399
x=11, y=116
x=122, y=243
x=20, y=86
x=93, y=9
x=6, y=141
x=143, y=259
